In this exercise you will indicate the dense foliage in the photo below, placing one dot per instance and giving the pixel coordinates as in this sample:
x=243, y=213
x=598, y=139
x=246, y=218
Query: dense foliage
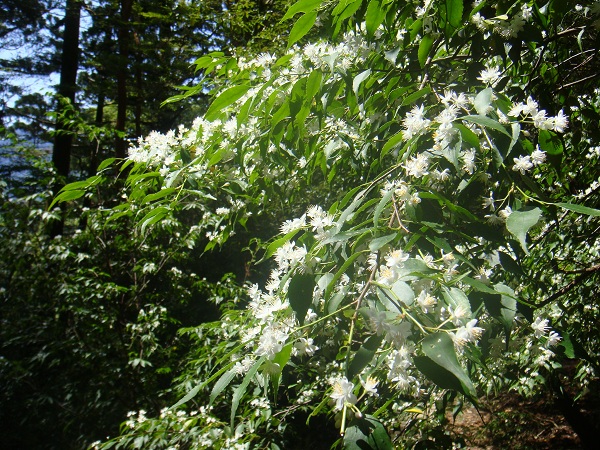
x=432, y=169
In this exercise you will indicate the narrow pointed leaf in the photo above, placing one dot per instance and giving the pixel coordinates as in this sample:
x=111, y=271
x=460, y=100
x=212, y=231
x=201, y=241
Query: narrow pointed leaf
x=301, y=27
x=225, y=99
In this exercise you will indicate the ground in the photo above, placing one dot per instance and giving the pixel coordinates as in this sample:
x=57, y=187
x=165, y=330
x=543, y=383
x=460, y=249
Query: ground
x=511, y=422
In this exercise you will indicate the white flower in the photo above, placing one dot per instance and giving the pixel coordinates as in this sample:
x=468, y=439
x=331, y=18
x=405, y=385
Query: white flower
x=541, y=121
x=387, y=275
x=522, y=164
x=467, y=333
x=560, y=122
x=503, y=214
x=516, y=109
x=538, y=156
x=426, y=301
x=540, y=327
x=490, y=75
x=494, y=219
x=242, y=367
x=479, y=21
x=342, y=393
x=417, y=166
x=414, y=122
x=396, y=258
x=271, y=341
x=468, y=158
x=378, y=321
x=459, y=314
x=488, y=202
x=289, y=255
x=370, y=385
x=441, y=176
x=304, y=346
x=293, y=224
x=531, y=107
x=553, y=338
x=398, y=333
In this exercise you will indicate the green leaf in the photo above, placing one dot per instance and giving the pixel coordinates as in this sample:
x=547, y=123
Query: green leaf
x=221, y=384
x=67, y=196
x=273, y=246
x=441, y=365
x=482, y=101
x=381, y=206
x=392, y=142
x=424, y=49
x=77, y=185
x=478, y=285
x=379, y=242
x=241, y=389
x=519, y=223
x=410, y=99
x=363, y=356
x=158, y=195
x=452, y=15
x=509, y=264
x=403, y=291
x=509, y=305
x=281, y=359
x=190, y=395
x=283, y=356
x=550, y=142
x=313, y=84
x=300, y=293
x=486, y=122
x=367, y=433
x=358, y=79
x=468, y=136
x=225, y=99
x=104, y=164
x=301, y=27
x=579, y=209
x=152, y=217
x=282, y=113
x=349, y=211
x=456, y=297
x=374, y=16
x=340, y=272
x=301, y=6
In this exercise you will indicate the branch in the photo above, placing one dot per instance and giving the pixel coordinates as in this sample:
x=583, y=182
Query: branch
x=583, y=274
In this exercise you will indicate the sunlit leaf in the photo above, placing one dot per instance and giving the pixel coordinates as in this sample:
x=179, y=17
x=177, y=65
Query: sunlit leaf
x=441, y=365
x=520, y=222
x=367, y=433
x=225, y=99
x=301, y=27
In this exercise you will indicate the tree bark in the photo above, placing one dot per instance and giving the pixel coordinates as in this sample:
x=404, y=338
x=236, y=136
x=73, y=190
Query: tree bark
x=123, y=38
x=69, y=65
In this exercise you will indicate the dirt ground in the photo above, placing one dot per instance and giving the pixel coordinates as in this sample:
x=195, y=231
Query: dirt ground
x=510, y=422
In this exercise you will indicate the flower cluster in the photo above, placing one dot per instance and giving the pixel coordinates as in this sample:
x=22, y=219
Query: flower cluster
x=504, y=26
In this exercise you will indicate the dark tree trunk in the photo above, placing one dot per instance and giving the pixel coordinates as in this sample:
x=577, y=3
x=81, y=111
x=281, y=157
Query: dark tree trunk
x=123, y=37
x=139, y=85
x=63, y=141
x=581, y=424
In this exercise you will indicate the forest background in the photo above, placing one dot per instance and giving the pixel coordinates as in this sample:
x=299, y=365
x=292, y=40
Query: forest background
x=435, y=168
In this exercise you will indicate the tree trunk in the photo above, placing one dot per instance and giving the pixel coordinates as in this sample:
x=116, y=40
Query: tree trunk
x=69, y=64
x=123, y=37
